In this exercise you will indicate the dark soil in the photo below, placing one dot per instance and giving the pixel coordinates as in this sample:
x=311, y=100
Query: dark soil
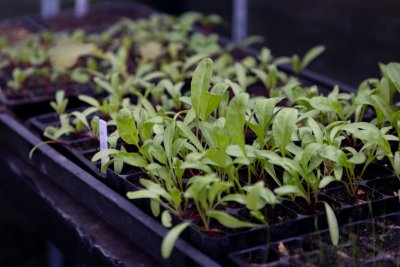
x=89, y=155
x=361, y=244
x=85, y=145
x=93, y=21
x=134, y=180
x=14, y=33
x=328, y=256
x=381, y=239
x=388, y=186
x=300, y=206
x=260, y=256
x=217, y=230
x=276, y=215
x=52, y=119
x=374, y=171
x=37, y=93
x=313, y=250
x=363, y=196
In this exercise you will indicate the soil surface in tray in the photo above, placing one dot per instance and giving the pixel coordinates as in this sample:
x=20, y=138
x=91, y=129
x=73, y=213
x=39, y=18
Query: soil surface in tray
x=13, y=33
x=363, y=196
x=388, y=186
x=369, y=243
x=93, y=21
x=279, y=214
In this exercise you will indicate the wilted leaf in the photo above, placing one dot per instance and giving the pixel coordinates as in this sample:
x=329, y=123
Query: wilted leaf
x=150, y=51
x=66, y=54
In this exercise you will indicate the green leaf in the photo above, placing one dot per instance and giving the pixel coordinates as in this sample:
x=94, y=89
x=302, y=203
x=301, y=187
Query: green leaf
x=327, y=105
x=235, y=119
x=89, y=100
x=200, y=82
x=158, y=152
x=197, y=185
x=227, y=220
x=82, y=118
x=333, y=153
x=369, y=134
x=214, y=135
x=326, y=180
x=236, y=198
x=132, y=158
x=261, y=75
x=288, y=190
x=234, y=86
x=284, y=126
x=269, y=196
x=316, y=130
x=296, y=64
x=396, y=165
x=393, y=73
x=154, y=188
x=104, y=153
x=61, y=103
x=155, y=207
x=168, y=140
x=357, y=157
x=241, y=75
x=189, y=135
x=142, y=194
x=236, y=151
x=310, y=152
x=216, y=189
x=166, y=219
x=192, y=60
x=171, y=237
x=253, y=197
x=332, y=224
x=178, y=146
x=208, y=103
x=126, y=127
x=220, y=158
x=382, y=109
x=311, y=55
x=103, y=84
x=264, y=109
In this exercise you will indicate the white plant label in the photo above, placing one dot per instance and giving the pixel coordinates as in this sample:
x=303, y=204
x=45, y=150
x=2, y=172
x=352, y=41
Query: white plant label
x=103, y=138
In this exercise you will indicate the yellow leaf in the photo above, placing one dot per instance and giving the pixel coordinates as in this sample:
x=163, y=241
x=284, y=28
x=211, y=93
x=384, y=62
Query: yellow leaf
x=66, y=54
x=150, y=51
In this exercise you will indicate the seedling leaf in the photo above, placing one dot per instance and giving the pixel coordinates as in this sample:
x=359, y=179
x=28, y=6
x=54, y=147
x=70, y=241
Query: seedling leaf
x=171, y=237
x=228, y=221
x=332, y=224
x=127, y=127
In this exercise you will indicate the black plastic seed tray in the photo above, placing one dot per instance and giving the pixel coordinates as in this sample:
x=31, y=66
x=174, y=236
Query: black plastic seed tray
x=138, y=227
x=373, y=242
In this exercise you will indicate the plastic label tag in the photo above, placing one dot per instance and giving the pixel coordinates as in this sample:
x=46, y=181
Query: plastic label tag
x=103, y=138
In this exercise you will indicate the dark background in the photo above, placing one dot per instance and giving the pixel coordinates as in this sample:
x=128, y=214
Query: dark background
x=357, y=34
